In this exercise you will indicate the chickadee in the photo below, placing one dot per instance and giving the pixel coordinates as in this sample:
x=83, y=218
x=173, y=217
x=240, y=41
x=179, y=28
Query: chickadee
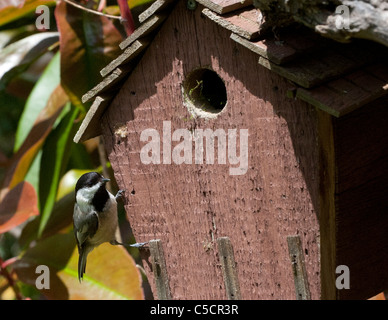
x=94, y=217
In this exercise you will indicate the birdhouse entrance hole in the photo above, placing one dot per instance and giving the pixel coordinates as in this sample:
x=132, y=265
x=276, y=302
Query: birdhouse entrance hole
x=204, y=93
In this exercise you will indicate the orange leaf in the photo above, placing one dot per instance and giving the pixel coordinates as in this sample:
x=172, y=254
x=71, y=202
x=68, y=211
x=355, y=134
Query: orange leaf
x=17, y=205
x=111, y=273
x=379, y=296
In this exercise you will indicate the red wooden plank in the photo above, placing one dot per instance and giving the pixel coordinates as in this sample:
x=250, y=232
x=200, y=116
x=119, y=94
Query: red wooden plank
x=126, y=57
x=106, y=85
x=225, y=6
x=378, y=70
x=367, y=81
x=145, y=29
x=91, y=125
x=244, y=22
x=284, y=46
x=268, y=48
x=344, y=95
x=156, y=6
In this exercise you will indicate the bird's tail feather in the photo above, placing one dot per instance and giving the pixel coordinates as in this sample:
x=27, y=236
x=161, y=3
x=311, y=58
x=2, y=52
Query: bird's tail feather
x=83, y=254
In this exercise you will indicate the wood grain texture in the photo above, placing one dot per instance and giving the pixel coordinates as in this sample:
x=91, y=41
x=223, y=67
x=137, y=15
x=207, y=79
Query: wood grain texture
x=126, y=57
x=284, y=46
x=155, y=7
x=244, y=22
x=106, y=85
x=159, y=269
x=362, y=202
x=312, y=71
x=91, y=125
x=267, y=49
x=321, y=65
x=189, y=206
x=354, y=205
x=327, y=202
x=302, y=290
x=225, y=6
x=144, y=30
x=344, y=95
x=229, y=268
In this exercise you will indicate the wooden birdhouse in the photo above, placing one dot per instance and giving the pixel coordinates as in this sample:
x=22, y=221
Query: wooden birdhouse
x=259, y=160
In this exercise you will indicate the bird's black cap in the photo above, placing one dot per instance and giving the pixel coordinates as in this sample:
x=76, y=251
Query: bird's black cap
x=88, y=180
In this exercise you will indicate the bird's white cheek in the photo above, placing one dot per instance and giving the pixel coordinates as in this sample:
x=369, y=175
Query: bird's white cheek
x=84, y=197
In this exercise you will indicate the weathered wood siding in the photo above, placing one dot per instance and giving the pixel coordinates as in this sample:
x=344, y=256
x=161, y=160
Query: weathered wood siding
x=361, y=152
x=189, y=206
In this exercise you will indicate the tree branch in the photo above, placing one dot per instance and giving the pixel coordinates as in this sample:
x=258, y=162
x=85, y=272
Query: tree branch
x=363, y=19
x=4, y=272
x=126, y=16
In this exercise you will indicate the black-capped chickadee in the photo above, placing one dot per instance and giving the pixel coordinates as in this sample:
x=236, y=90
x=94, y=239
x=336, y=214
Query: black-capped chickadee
x=95, y=216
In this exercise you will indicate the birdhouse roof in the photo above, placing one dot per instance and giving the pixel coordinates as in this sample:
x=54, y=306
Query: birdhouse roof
x=335, y=77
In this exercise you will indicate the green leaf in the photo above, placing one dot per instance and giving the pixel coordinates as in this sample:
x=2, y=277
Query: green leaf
x=11, y=13
x=32, y=176
x=68, y=182
x=88, y=43
x=111, y=273
x=23, y=158
x=38, y=99
x=16, y=57
x=136, y=3
x=54, y=161
x=80, y=157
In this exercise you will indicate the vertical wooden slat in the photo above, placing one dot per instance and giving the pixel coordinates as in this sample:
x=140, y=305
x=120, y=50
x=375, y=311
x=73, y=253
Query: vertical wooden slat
x=327, y=204
x=159, y=269
x=229, y=271
x=298, y=268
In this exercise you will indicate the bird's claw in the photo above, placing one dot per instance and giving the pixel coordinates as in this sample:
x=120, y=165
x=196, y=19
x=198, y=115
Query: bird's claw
x=120, y=194
x=138, y=244
x=134, y=245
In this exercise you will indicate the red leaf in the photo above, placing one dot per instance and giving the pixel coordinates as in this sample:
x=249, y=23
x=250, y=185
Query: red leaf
x=17, y=205
x=87, y=43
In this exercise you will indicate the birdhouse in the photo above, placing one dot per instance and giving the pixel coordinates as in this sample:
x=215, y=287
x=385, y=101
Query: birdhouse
x=258, y=161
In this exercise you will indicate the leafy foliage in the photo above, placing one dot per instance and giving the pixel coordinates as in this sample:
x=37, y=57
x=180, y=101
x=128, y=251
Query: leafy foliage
x=42, y=78
x=105, y=278
x=17, y=205
x=88, y=43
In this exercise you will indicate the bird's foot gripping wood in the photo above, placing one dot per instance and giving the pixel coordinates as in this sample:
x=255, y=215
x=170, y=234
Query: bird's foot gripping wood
x=134, y=245
x=119, y=194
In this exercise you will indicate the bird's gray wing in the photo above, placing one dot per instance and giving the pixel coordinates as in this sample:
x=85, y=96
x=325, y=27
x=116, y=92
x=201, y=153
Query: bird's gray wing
x=85, y=225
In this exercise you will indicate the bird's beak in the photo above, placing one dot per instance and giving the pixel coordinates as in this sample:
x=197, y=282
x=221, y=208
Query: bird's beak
x=105, y=180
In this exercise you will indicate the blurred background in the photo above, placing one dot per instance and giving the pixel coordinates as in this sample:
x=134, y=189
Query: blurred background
x=50, y=55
